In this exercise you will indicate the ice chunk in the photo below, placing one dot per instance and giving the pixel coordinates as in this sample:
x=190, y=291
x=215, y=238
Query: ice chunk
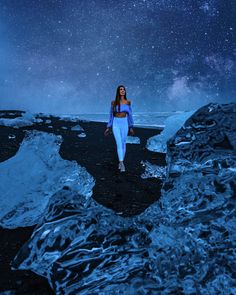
x=70, y=118
x=133, y=140
x=152, y=170
x=27, y=119
x=77, y=128
x=35, y=173
x=173, y=123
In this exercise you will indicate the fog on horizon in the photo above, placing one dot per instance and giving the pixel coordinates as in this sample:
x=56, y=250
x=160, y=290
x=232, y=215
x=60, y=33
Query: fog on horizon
x=69, y=57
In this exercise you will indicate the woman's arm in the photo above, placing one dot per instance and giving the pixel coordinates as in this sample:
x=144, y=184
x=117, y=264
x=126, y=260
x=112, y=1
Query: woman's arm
x=109, y=124
x=130, y=117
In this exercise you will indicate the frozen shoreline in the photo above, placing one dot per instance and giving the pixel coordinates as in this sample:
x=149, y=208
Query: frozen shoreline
x=102, y=151
x=177, y=237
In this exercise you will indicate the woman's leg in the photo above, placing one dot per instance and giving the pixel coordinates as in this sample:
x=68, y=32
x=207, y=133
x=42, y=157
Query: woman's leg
x=124, y=133
x=116, y=128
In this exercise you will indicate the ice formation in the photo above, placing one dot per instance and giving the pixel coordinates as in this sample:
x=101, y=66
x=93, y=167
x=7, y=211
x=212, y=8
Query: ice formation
x=173, y=123
x=11, y=136
x=70, y=118
x=152, y=170
x=27, y=119
x=133, y=140
x=35, y=173
x=182, y=244
x=77, y=128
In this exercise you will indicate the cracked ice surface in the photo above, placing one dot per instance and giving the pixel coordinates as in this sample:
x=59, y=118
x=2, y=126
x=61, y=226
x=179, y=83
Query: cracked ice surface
x=35, y=173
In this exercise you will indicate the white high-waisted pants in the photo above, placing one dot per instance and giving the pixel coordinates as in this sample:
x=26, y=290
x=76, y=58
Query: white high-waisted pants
x=120, y=130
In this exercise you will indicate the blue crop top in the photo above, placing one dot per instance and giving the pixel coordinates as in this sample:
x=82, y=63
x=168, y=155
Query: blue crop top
x=123, y=108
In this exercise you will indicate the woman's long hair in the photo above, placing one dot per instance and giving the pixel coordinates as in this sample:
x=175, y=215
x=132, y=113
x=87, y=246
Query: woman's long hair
x=117, y=100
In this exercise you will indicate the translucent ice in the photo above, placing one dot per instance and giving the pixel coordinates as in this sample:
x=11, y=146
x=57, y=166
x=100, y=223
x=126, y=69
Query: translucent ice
x=27, y=119
x=184, y=243
x=133, y=140
x=173, y=123
x=35, y=173
x=152, y=170
x=77, y=128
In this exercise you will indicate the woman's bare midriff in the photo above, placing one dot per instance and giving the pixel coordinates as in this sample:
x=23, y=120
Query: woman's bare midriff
x=120, y=115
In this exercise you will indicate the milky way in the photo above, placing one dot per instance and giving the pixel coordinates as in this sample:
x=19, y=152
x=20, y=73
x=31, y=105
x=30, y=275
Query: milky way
x=69, y=56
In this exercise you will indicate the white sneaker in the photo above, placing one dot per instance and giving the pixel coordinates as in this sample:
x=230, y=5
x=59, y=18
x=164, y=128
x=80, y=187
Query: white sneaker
x=122, y=167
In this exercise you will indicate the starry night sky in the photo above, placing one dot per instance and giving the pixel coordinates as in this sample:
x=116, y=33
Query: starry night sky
x=69, y=56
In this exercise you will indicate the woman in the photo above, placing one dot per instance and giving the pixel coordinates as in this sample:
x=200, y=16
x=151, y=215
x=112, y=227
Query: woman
x=121, y=121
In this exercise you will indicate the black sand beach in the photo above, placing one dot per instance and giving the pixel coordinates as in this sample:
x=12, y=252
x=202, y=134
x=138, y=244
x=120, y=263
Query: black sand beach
x=125, y=193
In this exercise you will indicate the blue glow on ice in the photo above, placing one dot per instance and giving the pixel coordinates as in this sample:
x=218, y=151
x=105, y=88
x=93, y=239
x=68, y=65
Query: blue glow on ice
x=34, y=174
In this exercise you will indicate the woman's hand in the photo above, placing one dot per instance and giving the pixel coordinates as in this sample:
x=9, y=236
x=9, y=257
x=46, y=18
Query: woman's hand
x=107, y=131
x=131, y=131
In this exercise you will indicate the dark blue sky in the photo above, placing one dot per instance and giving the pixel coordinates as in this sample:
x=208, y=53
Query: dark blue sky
x=69, y=56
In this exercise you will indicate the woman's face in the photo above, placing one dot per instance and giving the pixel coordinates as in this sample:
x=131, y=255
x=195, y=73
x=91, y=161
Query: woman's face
x=122, y=91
